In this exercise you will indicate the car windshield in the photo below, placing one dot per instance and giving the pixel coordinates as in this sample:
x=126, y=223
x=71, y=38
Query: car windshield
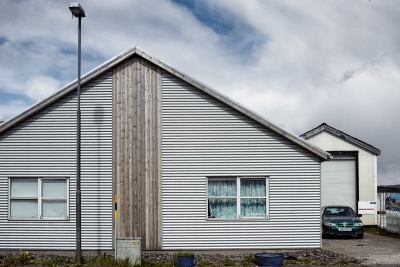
x=339, y=211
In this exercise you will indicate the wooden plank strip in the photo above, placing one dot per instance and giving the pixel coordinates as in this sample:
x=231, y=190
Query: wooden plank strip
x=137, y=146
x=136, y=156
x=129, y=147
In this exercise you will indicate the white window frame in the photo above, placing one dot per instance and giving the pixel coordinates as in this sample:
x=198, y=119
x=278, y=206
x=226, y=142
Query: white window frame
x=238, y=197
x=39, y=198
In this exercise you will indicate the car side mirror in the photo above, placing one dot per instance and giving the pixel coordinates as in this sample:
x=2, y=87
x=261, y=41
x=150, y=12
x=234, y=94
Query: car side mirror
x=359, y=215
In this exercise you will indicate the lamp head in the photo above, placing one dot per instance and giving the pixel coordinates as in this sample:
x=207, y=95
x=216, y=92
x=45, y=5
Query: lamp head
x=77, y=10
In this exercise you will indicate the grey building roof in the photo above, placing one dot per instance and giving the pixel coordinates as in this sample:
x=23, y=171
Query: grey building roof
x=335, y=132
x=139, y=52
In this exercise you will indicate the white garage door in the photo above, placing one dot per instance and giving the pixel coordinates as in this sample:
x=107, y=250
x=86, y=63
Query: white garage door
x=338, y=182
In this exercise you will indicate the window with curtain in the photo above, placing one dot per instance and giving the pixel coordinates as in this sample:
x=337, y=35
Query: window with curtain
x=38, y=198
x=237, y=197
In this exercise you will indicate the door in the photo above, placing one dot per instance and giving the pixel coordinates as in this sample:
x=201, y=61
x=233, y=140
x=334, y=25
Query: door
x=338, y=181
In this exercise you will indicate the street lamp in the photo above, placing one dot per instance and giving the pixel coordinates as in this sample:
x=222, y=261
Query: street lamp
x=77, y=11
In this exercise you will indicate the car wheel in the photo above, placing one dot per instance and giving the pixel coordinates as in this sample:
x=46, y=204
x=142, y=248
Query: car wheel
x=324, y=236
x=360, y=236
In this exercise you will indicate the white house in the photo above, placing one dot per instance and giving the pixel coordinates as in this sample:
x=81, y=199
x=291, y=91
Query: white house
x=350, y=177
x=165, y=158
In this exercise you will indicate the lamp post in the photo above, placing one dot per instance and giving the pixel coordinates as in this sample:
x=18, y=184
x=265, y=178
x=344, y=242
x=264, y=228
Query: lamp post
x=77, y=11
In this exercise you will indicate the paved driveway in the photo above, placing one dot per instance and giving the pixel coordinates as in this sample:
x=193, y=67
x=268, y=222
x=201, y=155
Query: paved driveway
x=373, y=248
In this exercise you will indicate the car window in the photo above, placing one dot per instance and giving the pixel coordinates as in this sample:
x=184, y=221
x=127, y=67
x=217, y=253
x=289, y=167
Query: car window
x=339, y=211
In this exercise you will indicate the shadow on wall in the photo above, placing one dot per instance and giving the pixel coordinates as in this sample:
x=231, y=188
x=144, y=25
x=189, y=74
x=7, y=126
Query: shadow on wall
x=98, y=119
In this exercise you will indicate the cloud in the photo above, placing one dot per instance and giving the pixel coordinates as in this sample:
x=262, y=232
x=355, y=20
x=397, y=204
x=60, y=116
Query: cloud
x=41, y=87
x=11, y=109
x=298, y=63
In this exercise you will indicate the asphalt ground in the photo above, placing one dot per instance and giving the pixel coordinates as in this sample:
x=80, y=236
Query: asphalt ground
x=373, y=250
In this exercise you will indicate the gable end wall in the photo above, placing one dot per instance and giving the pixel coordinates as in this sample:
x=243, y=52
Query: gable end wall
x=201, y=136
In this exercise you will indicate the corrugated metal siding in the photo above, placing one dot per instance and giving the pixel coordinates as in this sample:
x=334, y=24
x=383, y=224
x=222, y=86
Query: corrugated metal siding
x=202, y=137
x=366, y=168
x=44, y=145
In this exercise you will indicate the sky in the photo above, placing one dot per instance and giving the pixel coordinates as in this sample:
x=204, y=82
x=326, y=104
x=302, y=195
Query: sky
x=296, y=63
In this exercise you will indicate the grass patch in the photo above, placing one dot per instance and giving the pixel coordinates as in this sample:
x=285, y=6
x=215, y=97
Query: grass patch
x=203, y=263
x=184, y=253
x=21, y=258
x=108, y=261
x=227, y=262
x=25, y=258
x=297, y=261
x=249, y=260
x=381, y=232
x=148, y=263
x=57, y=261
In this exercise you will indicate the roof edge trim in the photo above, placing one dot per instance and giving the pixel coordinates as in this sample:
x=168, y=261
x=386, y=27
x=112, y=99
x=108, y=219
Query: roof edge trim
x=339, y=134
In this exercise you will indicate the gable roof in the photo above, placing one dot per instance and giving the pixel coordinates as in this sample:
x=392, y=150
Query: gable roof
x=108, y=65
x=335, y=132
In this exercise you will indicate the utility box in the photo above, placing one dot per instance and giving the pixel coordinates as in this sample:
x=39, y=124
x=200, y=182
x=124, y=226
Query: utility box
x=130, y=247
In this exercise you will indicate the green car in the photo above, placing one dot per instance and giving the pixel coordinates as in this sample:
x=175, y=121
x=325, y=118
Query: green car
x=341, y=221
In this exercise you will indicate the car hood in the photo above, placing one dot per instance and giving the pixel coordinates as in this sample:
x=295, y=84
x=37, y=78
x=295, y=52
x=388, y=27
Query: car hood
x=340, y=219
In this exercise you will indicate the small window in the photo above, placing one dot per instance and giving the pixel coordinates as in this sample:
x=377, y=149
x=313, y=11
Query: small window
x=237, y=197
x=38, y=198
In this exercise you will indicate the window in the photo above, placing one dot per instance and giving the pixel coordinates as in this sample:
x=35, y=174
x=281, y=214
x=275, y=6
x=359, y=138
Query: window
x=237, y=197
x=340, y=211
x=38, y=198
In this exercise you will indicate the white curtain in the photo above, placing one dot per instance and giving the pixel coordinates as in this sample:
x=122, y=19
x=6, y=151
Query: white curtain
x=253, y=207
x=222, y=198
x=222, y=187
x=222, y=207
x=252, y=188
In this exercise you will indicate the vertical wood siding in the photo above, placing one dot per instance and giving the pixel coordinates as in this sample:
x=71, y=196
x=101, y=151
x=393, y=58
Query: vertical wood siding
x=44, y=145
x=137, y=148
x=201, y=137
x=366, y=168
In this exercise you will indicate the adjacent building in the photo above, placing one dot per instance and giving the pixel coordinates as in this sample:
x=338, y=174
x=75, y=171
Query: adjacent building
x=350, y=177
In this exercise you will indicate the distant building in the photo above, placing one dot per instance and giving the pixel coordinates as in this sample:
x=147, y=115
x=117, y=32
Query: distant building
x=350, y=177
x=388, y=199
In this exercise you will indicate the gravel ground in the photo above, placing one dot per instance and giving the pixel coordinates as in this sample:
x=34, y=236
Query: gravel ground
x=316, y=257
